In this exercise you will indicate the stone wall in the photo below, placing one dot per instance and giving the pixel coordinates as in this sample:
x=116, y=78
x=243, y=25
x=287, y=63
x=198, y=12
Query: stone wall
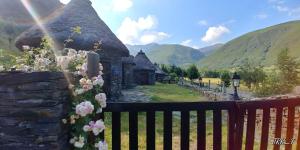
x=31, y=108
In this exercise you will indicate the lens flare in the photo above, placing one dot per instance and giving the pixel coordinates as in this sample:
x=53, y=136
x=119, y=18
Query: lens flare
x=40, y=24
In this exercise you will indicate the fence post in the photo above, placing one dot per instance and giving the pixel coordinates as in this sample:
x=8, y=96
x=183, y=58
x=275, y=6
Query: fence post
x=92, y=64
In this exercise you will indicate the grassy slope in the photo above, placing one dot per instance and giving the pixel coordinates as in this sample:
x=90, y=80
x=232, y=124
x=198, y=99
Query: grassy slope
x=260, y=46
x=7, y=57
x=175, y=54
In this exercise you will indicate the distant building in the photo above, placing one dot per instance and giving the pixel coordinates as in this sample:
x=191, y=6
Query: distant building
x=114, y=55
x=144, y=70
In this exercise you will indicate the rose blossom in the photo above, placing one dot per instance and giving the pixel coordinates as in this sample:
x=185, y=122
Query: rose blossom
x=97, y=127
x=101, y=99
x=86, y=84
x=102, y=145
x=79, y=143
x=98, y=80
x=84, y=108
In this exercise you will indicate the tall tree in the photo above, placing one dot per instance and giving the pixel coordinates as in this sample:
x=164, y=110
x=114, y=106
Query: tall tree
x=288, y=67
x=193, y=72
x=251, y=74
x=226, y=78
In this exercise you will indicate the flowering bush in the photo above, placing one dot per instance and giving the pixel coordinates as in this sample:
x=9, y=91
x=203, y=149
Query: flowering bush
x=88, y=102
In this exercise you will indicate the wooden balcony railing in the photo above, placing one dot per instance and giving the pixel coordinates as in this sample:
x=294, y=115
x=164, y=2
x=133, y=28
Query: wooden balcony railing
x=238, y=112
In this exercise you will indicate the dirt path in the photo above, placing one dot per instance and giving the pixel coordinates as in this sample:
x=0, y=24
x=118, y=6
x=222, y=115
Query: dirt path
x=134, y=95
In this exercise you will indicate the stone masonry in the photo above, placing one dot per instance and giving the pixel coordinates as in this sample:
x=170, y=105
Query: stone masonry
x=32, y=106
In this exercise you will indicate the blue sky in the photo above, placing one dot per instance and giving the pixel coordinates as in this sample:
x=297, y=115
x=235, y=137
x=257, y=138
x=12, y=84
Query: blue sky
x=195, y=23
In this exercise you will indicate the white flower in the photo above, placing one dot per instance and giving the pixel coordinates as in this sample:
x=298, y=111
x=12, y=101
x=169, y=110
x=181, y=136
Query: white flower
x=98, y=80
x=72, y=53
x=30, y=52
x=102, y=145
x=24, y=68
x=41, y=64
x=84, y=108
x=25, y=47
x=79, y=143
x=2, y=68
x=73, y=140
x=86, y=84
x=96, y=127
x=101, y=99
x=63, y=62
x=82, y=70
x=79, y=91
x=81, y=54
x=87, y=128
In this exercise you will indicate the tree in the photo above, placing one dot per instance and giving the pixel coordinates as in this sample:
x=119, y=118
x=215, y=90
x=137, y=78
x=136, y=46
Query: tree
x=226, y=78
x=193, y=72
x=165, y=68
x=251, y=74
x=288, y=68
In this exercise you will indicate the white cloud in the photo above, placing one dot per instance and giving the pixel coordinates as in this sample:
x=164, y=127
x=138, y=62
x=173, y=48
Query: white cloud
x=203, y=23
x=65, y=1
x=121, y=5
x=140, y=31
x=214, y=33
x=188, y=43
x=262, y=16
x=153, y=37
x=282, y=8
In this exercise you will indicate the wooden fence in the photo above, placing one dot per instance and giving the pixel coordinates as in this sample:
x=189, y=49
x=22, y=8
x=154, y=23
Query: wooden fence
x=240, y=114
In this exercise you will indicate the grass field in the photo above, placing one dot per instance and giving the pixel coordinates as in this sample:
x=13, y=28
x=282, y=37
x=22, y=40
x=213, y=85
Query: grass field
x=166, y=93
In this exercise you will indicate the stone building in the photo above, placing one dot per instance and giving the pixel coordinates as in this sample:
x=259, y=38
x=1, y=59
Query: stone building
x=93, y=30
x=144, y=70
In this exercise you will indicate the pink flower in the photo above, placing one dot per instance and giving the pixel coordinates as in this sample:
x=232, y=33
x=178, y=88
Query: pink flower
x=101, y=99
x=96, y=127
x=102, y=145
x=98, y=80
x=84, y=108
x=86, y=84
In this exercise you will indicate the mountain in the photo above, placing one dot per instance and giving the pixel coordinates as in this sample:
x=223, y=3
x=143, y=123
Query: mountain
x=261, y=46
x=169, y=53
x=14, y=18
x=210, y=49
x=134, y=49
x=15, y=11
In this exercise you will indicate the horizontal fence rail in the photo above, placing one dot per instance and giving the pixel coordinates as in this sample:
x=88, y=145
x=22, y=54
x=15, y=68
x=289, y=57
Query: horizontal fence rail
x=241, y=117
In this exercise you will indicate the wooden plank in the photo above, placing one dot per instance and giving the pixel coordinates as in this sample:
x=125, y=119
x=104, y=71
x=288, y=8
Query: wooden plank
x=194, y=106
x=116, y=132
x=290, y=128
x=150, y=130
x=265, y=129
x=168, y=130
x=217, y=129
x=167, y=106
x=240, y=114
x=298, y=139
x=201, y=130
x=185, y=130
x=278, y=126
x=133, y=130
x=231, y=130
x=250, y=129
